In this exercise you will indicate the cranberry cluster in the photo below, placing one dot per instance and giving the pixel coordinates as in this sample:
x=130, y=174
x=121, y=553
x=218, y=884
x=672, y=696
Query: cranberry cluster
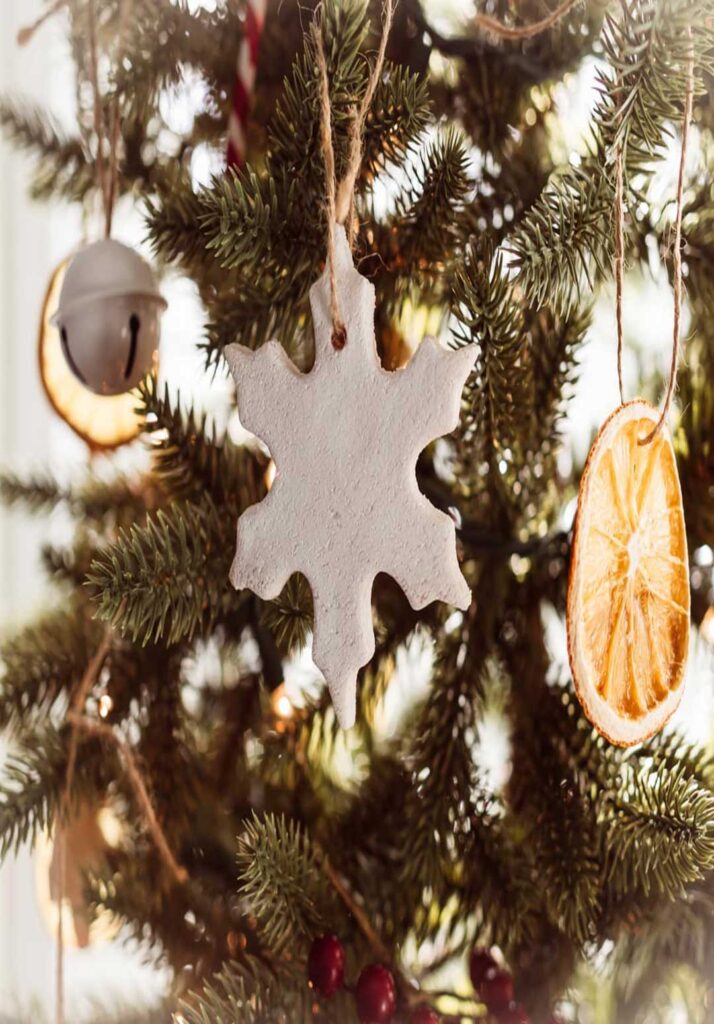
x=375, y=992
x=495, y=987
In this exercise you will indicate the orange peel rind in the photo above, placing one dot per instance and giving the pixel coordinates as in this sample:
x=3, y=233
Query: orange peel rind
x=628, y=606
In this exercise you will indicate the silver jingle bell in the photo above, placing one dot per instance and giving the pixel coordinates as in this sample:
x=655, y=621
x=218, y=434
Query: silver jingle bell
x=109, y=317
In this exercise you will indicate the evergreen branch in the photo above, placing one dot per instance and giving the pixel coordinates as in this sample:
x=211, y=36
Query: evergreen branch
x=660, y=832
x=199, y=39
x=253, y=993
x=498, y=876
x=290, y=616
x=668, y=935
x=399, y=113
x=281, y=882
x=564, y=235
x=168, y=578
x=95, y=498
x=159, y=914
x=42, y=662
x=555, y=346
x=173, y=223
x=256, y=226
x=425, y=223
x=559, y=769
x=33, y=788
x=669, y=751
x=253, y=312
x=190, y=459
x=63, y=166
x=40, y=493
x=565, y=848
x=649, y=46
x=498, y=398
x=441, y=763
x=567, y=236
x=293, y=133
x=70, y=565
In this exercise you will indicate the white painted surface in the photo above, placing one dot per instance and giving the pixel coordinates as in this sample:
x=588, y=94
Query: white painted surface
x=345, y=504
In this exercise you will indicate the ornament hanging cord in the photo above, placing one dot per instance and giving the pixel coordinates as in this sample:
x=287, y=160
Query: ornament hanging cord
x=339, y=200
x=106, y=173
x=676, y=258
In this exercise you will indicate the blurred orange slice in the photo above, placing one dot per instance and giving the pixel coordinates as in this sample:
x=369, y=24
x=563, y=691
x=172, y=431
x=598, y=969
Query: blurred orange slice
x=103, y=422
x=628, y=591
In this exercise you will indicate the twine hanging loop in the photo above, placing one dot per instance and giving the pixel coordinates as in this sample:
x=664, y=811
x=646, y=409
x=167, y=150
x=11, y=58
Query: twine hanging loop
x=339, y=199
x=676, y=256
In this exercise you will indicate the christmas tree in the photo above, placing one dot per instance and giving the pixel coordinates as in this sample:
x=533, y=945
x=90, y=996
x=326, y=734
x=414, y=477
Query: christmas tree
x=286, y=869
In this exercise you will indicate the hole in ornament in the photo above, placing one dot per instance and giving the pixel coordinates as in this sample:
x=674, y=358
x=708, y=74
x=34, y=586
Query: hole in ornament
x=68, y=355
x=134, y=325
x=339, y=337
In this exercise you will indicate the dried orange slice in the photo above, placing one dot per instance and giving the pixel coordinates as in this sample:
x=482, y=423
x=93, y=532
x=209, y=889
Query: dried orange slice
x=104, y=422
x=628, y=591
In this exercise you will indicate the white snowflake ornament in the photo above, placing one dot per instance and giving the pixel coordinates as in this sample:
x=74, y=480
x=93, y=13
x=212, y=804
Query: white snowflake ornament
x=345, y=504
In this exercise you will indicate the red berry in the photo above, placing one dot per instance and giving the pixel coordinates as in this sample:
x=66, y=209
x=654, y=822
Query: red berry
x=480, y=963
x=515, y=1014
x=376, y=995
x=326, y=965
x=497, y=990
x=424, y=1015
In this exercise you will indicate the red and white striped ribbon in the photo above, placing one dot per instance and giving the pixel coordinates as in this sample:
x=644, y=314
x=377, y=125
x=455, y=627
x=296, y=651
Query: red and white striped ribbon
x=246, y=68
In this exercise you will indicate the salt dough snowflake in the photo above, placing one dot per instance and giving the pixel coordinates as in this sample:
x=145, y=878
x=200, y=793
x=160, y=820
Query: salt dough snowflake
x=345, y=505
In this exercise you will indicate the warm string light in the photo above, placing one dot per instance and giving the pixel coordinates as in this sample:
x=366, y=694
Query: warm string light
x=105, y=705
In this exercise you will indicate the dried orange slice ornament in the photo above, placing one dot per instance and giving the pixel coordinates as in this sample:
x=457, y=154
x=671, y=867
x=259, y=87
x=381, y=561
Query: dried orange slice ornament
x=628, y=591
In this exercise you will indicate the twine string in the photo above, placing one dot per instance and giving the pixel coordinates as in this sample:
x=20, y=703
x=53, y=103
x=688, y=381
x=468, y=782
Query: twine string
x=115, y=131
x=339, y=334
x=677, y=253
x=99, y=126
x=497, y=28
x=345, y=193
x=619, y=263
x=339, y=199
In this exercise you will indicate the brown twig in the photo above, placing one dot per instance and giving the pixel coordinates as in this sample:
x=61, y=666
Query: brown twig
x=78, y=701
x=497, y=28
x=103, y=731
x=354, y=908
x=25, y=34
